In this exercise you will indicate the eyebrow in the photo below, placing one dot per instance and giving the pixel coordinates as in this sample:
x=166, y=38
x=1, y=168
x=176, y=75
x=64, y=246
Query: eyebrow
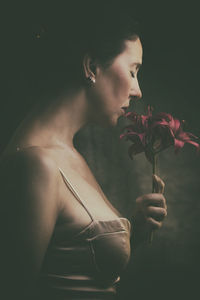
x=138, y=65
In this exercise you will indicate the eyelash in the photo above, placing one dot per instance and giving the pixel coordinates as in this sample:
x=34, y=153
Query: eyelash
x=132, y=74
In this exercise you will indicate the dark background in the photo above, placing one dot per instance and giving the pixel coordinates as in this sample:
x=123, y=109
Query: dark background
x=169, y=79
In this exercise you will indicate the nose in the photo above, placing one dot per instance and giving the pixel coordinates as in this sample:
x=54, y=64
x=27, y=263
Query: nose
x=136, y=92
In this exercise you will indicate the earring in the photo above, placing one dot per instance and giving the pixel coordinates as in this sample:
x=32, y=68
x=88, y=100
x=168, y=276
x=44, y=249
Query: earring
x=91, y=79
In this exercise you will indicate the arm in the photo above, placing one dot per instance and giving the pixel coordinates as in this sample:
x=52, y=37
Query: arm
x=28, y=185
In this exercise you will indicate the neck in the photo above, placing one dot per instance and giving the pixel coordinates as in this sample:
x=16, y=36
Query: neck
x=54, y=124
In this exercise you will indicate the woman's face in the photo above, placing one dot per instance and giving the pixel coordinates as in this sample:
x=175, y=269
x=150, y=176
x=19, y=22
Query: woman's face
x=116, y=85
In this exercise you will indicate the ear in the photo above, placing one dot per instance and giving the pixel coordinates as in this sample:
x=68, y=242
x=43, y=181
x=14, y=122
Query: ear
x=89, y=66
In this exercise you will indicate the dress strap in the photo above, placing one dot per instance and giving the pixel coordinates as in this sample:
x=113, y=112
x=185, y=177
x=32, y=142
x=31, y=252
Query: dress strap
x=74, y=192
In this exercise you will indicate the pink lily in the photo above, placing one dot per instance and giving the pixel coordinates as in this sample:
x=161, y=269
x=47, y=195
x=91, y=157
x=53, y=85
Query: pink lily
x=152, y=134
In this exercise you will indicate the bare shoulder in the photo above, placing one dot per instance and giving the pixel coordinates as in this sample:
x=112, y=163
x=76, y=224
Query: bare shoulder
x=29, y=160
x=30, y=170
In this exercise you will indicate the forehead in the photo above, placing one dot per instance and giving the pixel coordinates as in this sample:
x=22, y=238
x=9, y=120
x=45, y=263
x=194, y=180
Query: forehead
x=132, y=53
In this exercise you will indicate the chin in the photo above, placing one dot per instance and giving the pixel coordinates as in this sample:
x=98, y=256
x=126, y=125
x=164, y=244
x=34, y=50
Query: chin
x=110, y=122
x=106, y=121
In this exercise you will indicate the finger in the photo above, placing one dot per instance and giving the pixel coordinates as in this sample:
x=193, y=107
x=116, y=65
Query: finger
x=153, y=199
x=158, y=184
x=157, y=213
x=153, y=224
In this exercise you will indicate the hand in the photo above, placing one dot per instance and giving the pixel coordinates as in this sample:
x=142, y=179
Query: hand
x=151, y=209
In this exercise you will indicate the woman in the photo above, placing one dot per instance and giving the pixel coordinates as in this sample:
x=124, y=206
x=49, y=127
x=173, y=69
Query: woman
x=62, y=238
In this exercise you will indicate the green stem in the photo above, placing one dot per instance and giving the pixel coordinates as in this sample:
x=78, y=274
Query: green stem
x=154, y=171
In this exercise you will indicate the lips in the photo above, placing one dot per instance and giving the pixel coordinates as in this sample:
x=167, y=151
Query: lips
x=124, y=108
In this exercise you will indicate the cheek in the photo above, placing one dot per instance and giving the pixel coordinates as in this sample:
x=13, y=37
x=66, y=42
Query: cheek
x=111, y=89
x=120, y=85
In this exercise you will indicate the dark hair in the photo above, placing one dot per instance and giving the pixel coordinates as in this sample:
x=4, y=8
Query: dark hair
x=63, y=36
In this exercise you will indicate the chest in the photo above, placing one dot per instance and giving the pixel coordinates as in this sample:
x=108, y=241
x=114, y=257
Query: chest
x=82, y=198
